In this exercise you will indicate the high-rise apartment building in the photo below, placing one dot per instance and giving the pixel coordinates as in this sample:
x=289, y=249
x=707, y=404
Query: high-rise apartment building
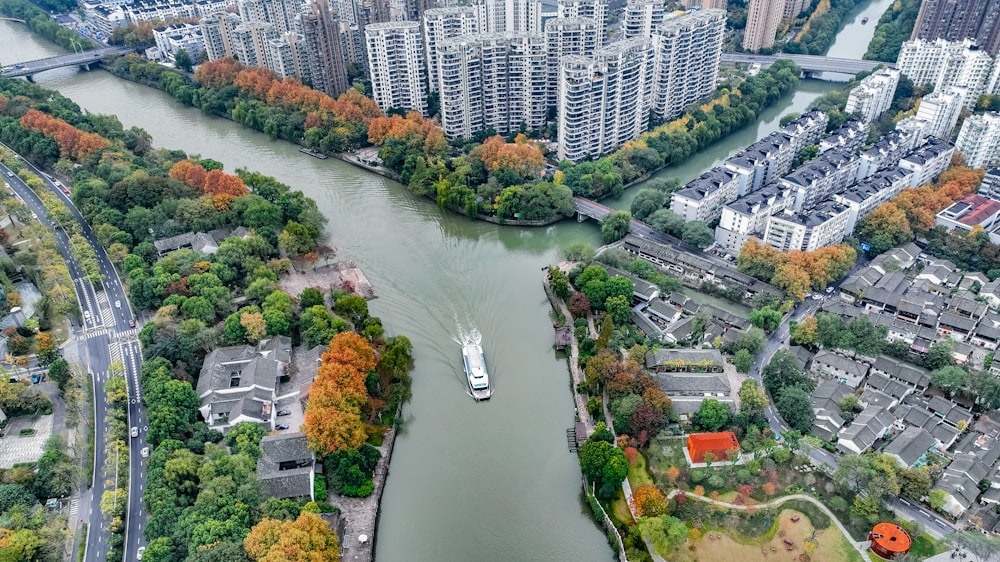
x=441, y=24
x=286, y=57
x=688, y=51
x=822, y=226
x=947, y=63
x=396, y=64
x=642, y=17
x=250, y=41
x=596, y=10
x=937, y=115
x=763, y=18
x=705, y=4
x=327, y=68
x=217, y=30
x=279, y=13
x=492, y=81
x=794, y=7
x=565, y=37
x=979, y=140
x=518, y=16
x=955, y=20
x=873, y=96
x=604, y=99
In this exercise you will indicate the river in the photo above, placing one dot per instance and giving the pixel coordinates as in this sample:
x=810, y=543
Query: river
x=469, y=481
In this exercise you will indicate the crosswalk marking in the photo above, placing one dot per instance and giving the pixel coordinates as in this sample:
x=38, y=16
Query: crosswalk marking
x=116, y=351
x=74, y=507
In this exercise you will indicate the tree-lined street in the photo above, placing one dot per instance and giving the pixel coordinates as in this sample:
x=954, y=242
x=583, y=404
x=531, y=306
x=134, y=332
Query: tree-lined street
x=107, y=337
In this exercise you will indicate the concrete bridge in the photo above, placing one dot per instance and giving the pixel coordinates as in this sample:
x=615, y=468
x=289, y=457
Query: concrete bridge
x=810, y=64
x=83, y=60
x=587, y=209
x=12, y=19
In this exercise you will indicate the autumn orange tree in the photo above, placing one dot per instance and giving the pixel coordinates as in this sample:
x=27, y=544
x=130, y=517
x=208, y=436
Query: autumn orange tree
x=523, y=157
x=73, y=143
x=796, y=272
x=307, y=539
x=912, y=212
x=338, y=395
x=648, y=501
x=216, y=182
x=416, y=131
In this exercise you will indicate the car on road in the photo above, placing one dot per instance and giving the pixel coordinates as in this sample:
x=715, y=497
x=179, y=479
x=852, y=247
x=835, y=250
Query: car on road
x=138, y=554
x=817, y=297
x=118, y=304
x=829, y=290
x=131, y=323
x=34, y=216
x=284, y=412
x=144, y=452
x=35, y=379
x=281, y=427
x=135, y=432
x=10, y=173
x=65, y=190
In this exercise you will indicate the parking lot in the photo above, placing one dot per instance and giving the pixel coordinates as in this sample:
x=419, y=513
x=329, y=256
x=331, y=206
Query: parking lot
x=16, y=448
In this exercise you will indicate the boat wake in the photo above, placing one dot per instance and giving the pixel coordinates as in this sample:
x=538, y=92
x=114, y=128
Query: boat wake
x=468, y=335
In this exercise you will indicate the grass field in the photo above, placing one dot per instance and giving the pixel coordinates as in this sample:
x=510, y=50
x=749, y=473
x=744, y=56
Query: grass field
x=822, y=545
x=638, y=472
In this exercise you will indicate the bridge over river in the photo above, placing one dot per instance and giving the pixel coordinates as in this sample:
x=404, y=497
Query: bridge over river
x=84, y=59
x=810, y=64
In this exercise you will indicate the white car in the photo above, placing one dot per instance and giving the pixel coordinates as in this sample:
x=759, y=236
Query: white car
x=138, y=554
x=135, y=432
x=118, y=304
x=144, y=452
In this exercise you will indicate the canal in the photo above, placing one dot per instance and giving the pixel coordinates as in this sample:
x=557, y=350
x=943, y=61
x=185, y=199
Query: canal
x=469, y=481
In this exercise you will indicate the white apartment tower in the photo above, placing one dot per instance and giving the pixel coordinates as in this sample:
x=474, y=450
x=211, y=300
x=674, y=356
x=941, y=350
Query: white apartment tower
x=763, y=18
x=937, y=115
x=279, y=13
x=947, y=63
x=492, y=81
x=250, y=41
x=604, y=99
x=286, y=57
x=396, y=63
x=870, y=99
x=979, y=140
x=501, y=16
x=217, y=30
x=565, y=37
x=596, y=10
x=688, y=51
x=642, y=17
x=441, y=24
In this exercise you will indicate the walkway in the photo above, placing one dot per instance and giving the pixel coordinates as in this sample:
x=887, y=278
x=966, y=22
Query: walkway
x=574, y=361
x=863, y=551
x=361, y=514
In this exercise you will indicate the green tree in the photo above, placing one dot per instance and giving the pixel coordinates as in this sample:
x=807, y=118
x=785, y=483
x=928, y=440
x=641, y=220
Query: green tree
x=712, y=415
x=352, y=307
x=182, y=60
x=667, y=221
x=647, y=202
x=743, y=361
x=767, y=318
x=311, y=297
x=619, y=309
x=15, y=494
x=580, y=251
x=914, y=482
x=615, y=226
x=950, y=379
x=795, y=408
x=782, y=371
x=698, y=234
x=60, y=373
x=753, y=400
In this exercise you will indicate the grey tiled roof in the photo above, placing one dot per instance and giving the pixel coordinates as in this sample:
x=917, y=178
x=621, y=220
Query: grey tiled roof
x=693, y=383
x=910, y=445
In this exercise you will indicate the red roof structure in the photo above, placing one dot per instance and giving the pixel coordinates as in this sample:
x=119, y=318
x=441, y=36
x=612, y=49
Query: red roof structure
x=715, y=443
x=889, y=540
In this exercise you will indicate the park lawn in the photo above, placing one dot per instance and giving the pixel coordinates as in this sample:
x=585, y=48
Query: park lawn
x=924, y=546
x=663, y=453
x=829, y=546
x=619, y=509
x=638, y=472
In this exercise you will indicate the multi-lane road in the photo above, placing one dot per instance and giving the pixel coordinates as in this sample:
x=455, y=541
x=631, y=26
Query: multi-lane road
x=109, y=333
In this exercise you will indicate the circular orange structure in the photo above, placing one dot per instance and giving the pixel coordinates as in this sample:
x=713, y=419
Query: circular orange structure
x=889, y=540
